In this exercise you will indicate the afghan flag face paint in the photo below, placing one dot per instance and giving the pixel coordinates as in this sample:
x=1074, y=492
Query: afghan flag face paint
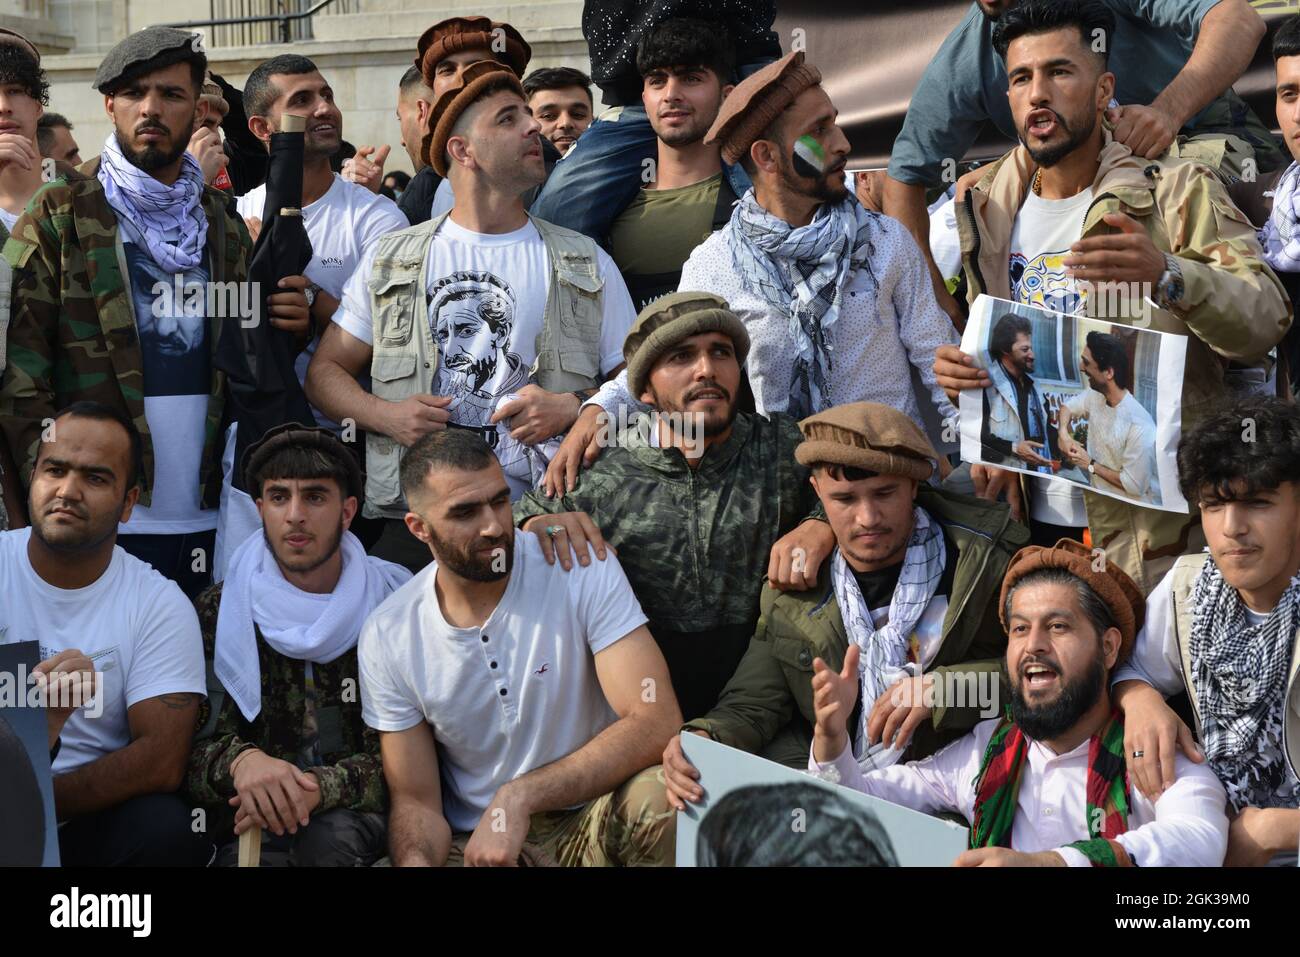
x=809, y=157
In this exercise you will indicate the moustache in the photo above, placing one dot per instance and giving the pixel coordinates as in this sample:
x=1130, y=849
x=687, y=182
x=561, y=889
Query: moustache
x=1044, y=661
x=706, y=387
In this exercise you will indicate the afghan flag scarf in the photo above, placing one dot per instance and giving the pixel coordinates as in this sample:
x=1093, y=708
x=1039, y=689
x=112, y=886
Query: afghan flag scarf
x=997, y=792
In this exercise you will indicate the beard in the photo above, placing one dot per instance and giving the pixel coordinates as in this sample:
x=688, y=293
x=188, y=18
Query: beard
x=88, y=537
x=475, y=566
x=692, y=132
x=153, y=158
x=711, y=424
x=1052, y=719
x=303, y=564
x=1051, y=155
x=827, y=188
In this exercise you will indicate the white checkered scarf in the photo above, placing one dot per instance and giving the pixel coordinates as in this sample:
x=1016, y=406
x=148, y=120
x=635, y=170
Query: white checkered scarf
x=150, y=208
x=884, y=652
x=1280, y=236
x=801, y=272
x=1240, y=672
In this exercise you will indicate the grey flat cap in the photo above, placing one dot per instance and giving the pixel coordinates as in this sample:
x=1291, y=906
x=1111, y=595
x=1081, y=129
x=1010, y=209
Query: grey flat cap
x=125, y=60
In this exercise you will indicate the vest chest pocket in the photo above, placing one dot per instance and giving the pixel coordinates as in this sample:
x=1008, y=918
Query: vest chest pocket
x=389, y=372
x=394, y=298
x=579, y=289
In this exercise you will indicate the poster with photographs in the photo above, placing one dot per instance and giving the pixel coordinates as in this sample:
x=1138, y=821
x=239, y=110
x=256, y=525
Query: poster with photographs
x=1093, y=402
x=757, y=813
x=29, y=834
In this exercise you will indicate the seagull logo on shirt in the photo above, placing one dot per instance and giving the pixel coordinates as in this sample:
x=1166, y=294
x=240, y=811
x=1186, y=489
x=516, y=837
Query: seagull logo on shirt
x=543, y=669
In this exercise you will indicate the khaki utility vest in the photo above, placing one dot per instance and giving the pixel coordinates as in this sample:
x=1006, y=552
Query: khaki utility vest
x=404, y=361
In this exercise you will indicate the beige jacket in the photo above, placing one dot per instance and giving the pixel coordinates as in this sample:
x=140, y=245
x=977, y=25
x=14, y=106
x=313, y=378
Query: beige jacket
x=1233, y=308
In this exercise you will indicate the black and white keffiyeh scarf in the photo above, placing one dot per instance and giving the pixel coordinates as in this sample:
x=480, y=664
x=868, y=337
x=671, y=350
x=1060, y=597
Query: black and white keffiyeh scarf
x=1280, y=236
x=1241, y=672
x=801, y=273
x=884, y=651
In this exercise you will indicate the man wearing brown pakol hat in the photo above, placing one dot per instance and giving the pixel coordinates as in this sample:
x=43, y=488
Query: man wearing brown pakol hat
x=912, y=583
x=700, y=500
x=1044, y=784
x=836, y=299
x=442, y=54
x=483, y=318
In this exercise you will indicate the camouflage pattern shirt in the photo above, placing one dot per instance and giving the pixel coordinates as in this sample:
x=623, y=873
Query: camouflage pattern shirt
x=72, y=331
x=695, y=542
x=315, y=724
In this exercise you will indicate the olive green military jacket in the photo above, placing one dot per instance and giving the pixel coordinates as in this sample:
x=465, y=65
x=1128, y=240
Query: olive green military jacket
x=72, y=330
x=771, y=691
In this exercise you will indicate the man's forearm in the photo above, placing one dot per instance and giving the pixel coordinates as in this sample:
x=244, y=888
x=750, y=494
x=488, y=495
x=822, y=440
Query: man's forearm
x=1109, y=474
x=418, y=836
x=333, y=390
x=1230, y=32
x=629, y=745
x=145, y=766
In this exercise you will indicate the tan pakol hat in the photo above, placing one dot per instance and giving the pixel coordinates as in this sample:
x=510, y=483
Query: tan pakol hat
x=471, y=33
x=670, y=319
x=455, y=100
x=866, y=435
x=759, y=99
x=1112, y=585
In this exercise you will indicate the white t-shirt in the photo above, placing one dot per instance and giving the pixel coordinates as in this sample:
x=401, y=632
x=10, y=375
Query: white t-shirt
x=505, y=698
x=136, y=626
x=177, y=365
x=341, y=225
x=487, y=296
x=1123, y=438
x=1041, y=238
x=9, y=219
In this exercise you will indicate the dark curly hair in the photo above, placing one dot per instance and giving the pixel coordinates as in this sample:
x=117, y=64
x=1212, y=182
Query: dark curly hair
x=1245, y=447
x=1032, y=17
x=19, y=67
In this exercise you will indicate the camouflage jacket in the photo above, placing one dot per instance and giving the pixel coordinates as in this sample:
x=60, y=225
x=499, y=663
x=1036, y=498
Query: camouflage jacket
x=349, y=771
x=695, y=542
x=1233, y=306
x=72, y=332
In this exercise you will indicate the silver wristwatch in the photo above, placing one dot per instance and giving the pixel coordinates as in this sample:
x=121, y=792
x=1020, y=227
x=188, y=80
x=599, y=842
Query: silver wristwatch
x=1169, y=290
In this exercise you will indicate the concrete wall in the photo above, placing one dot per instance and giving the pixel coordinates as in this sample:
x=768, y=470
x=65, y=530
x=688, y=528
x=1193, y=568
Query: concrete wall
x=364, y=72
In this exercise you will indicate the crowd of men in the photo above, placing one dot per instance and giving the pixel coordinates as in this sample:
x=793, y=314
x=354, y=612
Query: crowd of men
x=624, y=427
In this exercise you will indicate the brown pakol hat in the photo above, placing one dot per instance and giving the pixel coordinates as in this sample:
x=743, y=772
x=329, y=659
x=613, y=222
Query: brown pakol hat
x=670, y=319
x=759, y=99
x=1112, y=585
x=866, y=435
x=472, y=33
x=455, y=100
x=293, y=434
